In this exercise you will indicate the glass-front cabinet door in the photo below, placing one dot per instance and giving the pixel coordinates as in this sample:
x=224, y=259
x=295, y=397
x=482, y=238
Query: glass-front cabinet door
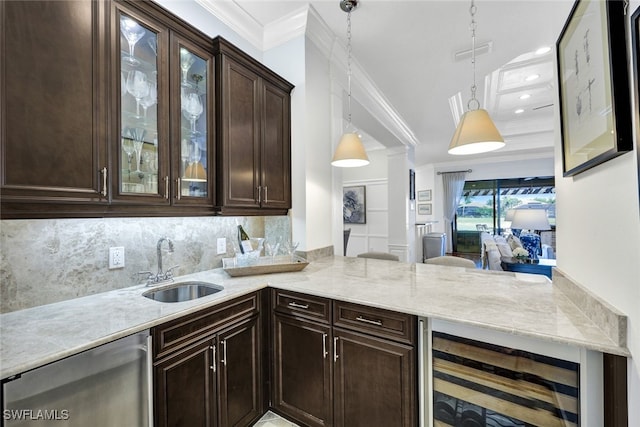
x=192, y=101
x=143, y=135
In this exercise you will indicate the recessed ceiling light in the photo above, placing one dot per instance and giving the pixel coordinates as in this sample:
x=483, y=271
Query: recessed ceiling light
x=543, y=50
x=532, y=77
x=519, y=111
x=525, y=96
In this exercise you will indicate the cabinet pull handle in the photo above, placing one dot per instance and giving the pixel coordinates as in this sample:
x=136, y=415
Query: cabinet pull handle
x=335, y=349
x=104, y=181
x=166, y=187
x=213, y=354
x=224, y=353
x=259, y=188
x=324, y=346
x=266, y=194
x=372, y=322
x=178, y=187
x=296, y=305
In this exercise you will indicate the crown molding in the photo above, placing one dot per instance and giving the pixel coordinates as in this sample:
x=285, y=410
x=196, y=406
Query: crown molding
x=236, y=18
x=286, y=28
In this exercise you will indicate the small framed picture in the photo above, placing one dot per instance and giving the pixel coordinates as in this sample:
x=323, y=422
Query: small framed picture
x=354, y=209
x=424, y=196
x=424, y=209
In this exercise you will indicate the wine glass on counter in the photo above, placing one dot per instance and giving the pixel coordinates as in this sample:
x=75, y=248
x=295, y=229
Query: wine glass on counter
x=138, y=87
x=290, y=247
x=271, y=248
x=132, y=32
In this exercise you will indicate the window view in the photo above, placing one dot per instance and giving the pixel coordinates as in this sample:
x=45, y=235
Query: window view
x=488, y=206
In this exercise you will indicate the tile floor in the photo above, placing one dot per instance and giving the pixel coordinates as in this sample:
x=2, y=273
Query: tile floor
x=272, y=420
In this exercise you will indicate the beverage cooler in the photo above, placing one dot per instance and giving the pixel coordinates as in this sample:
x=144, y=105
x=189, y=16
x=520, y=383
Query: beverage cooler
x=478, y=377
x=109, y=385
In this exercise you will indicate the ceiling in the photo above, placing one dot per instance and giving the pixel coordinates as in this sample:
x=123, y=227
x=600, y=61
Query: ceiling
x=408, y=48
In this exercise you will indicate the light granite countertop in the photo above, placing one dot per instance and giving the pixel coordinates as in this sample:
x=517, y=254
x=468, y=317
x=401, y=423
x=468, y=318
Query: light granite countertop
x=522, y=304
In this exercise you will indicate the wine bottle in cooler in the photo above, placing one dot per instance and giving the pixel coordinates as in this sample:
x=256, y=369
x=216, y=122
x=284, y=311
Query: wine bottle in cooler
x=243, y=240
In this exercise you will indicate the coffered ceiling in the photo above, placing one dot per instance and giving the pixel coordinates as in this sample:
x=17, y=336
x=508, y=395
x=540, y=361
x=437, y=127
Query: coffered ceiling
x=414, y=52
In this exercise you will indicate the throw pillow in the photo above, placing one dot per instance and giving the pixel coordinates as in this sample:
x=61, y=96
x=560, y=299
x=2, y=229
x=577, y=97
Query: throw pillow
x=514, y=241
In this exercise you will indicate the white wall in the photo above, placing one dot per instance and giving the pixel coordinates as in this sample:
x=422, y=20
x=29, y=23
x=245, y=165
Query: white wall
x=598, y=240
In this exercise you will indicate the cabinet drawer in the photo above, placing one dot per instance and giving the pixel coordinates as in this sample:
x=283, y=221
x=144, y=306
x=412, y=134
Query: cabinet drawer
x=375, y=321
x=178, y=333
x=302, y=305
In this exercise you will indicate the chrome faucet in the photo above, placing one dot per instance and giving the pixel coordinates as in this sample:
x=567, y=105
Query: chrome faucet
x=160, y=276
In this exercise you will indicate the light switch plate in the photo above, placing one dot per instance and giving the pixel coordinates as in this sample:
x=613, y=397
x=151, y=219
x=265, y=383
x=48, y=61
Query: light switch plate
x=222, y=245
x=116, y=257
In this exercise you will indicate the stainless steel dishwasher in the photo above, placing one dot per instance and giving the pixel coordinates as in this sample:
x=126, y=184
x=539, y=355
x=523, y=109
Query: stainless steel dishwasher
x=109, y=385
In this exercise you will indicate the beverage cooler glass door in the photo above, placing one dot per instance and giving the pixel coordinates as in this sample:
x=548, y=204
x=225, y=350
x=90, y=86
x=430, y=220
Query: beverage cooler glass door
x=106, y=386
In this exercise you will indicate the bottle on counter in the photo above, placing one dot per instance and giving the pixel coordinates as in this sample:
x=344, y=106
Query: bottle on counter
x=243, y=240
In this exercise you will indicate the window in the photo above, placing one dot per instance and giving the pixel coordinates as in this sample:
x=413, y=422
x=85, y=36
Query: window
x=484, y=206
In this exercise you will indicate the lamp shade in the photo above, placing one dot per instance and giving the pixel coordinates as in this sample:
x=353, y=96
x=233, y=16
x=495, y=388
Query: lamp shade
x=350, y=152
x=475, y=134
x=195, y=172
x=530, y=219
x=509, y=215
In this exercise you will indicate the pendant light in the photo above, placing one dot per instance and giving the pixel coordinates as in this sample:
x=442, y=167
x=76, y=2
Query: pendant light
x=476, y=132
x=350, y=151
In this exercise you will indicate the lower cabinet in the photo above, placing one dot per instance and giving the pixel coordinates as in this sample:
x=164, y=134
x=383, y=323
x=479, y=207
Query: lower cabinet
x=208, y=370
x=342, y=364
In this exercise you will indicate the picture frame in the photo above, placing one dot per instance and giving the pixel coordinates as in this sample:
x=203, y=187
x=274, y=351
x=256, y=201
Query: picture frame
x=424, y=195
x=424, y=209
x=354, y=204
x=635, y=52
x=595, y=112
x=412, y=184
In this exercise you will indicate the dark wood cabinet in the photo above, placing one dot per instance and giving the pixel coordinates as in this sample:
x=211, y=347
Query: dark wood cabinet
x=302, y=369
x=342, y=364
x=185, y=388
x=374, y=381
x=208, y=367
x=53, y=109
x=254, y=135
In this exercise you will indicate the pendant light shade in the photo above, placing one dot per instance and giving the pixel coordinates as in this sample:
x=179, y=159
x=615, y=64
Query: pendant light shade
x=350, y=152
x=475, y=133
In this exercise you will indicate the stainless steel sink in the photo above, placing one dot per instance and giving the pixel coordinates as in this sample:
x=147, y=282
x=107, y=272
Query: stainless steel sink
x=184, y=291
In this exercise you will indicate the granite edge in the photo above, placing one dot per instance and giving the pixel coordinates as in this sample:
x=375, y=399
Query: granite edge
x=610, y=320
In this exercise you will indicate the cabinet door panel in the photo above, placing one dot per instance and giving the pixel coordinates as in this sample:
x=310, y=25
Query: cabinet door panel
x=53, y=92
x=276, y=148
x=374, y=382
x=192, y=79
x=185, y=388
x=240, y=374
x=302, y=370
x=241, y=135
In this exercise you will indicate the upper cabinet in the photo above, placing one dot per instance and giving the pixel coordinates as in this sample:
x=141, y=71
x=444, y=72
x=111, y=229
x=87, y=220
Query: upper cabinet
x=164, y=110
x=254, y=135
x=119, y=108
x=53, y=104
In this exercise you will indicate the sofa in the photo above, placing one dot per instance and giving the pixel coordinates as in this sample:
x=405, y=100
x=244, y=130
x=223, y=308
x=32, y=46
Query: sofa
x=494, y=247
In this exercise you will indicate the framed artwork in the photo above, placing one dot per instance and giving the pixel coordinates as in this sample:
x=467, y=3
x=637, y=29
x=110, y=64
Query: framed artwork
x=424, y=209
x=424, y=196
x=412, y=184
x=595, y=113
x=635, y=49
x=354, y=205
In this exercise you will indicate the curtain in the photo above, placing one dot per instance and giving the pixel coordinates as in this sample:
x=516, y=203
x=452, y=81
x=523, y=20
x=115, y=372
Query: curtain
x=453, y=183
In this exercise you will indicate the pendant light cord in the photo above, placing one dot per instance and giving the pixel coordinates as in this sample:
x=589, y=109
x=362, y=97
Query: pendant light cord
x=472, y=27
x=349, y=64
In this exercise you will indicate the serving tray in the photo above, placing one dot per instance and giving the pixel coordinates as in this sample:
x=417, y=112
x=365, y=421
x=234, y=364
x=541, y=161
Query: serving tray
x=235, y=267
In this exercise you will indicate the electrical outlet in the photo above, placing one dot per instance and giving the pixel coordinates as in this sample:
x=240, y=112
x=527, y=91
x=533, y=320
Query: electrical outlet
x=222, y=245
x=116, y=257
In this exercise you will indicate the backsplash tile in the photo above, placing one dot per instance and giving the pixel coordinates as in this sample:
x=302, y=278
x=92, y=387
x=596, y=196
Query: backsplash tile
x=45, y=261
